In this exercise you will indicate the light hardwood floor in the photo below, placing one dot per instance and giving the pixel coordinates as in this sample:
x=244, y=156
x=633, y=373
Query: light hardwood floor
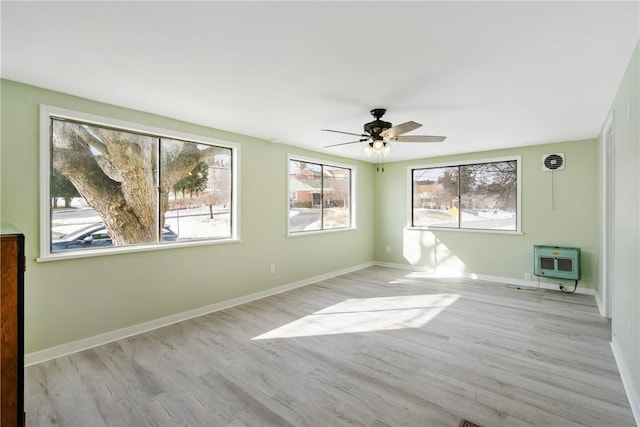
x=377, y=347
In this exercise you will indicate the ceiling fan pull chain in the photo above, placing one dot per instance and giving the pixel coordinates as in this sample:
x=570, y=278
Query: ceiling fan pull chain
x=379, y=164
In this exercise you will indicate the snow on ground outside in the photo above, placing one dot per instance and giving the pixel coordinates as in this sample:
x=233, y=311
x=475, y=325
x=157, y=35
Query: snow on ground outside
x=187, y=223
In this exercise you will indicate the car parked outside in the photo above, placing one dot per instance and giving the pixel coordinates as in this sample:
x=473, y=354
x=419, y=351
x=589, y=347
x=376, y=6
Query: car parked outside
x=96, y=236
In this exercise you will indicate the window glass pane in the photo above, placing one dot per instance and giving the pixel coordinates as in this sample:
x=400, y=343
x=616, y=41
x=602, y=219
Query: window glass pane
x=195, y=201
x=103, y=187
x=336, y=194
x=435, y=197
x=488, y=196
x=305, y=196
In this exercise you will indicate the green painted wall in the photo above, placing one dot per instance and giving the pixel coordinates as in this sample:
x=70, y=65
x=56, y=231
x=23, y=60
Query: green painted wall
x=74, y=299
x=625, y=316
x=571, y=220
x=79, y=298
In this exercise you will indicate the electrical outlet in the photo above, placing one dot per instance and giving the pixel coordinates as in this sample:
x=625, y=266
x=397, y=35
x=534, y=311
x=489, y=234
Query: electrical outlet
x=273, y=268
x=388, y=249
x=527, y=277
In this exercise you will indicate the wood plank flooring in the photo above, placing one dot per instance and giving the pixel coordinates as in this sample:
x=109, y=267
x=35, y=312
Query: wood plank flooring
x=378, y=347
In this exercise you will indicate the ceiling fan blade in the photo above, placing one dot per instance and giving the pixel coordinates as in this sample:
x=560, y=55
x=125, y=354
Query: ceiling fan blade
x=418, y=138
x=346, y=133
x=345, y=143
x=396, y=130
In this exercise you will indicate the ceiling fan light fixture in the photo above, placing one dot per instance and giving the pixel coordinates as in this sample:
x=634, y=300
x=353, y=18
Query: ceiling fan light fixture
x=378, y=145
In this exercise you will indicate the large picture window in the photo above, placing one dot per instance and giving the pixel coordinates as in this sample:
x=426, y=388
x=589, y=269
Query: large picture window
x=474, y=196
x=319, y=196
x=110, y=187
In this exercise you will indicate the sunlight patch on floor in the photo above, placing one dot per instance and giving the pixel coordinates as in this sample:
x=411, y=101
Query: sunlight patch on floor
x=366, y=315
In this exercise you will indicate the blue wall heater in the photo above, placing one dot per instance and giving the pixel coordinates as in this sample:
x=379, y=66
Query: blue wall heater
x=556, y=262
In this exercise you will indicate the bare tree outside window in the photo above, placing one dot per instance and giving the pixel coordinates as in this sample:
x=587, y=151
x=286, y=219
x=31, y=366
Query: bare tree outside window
x=479, y=196
x=488, y=195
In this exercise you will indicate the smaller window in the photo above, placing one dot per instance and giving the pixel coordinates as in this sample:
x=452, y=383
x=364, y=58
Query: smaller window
x=320, y=196
x=484, y=195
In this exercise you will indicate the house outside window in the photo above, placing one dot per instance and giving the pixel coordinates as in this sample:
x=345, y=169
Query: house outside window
x=320, y=196
x=481, y=196
x=110, y=186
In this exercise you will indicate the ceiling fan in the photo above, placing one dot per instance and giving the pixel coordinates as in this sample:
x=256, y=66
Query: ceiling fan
x=379, y=133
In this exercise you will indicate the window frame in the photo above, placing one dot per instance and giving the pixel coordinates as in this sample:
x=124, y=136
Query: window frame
x=48, y=111
x=470, y=162
x=352, y=194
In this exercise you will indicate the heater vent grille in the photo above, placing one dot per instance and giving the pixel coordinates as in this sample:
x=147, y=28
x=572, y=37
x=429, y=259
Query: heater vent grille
x=556, y=262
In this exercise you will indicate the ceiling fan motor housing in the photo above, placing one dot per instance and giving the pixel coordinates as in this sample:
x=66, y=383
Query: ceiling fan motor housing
x=376, y=127
x=379, y=132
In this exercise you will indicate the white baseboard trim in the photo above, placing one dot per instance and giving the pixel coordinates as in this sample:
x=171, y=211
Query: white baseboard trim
x=497, y=279
x=626, y=380
x=94, y=341
x=600, y=304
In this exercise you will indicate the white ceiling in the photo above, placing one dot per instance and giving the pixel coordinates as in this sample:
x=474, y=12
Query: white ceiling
x=486, y=74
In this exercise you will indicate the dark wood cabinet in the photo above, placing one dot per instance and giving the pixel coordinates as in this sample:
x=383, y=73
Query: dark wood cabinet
x=12, y=264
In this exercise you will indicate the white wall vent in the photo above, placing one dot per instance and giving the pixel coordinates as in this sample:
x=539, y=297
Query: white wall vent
x=553, y=162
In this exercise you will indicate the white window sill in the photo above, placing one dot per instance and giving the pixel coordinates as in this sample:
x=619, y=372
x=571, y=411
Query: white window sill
x=467, y=230
x=60, y=256
x=307, y=233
